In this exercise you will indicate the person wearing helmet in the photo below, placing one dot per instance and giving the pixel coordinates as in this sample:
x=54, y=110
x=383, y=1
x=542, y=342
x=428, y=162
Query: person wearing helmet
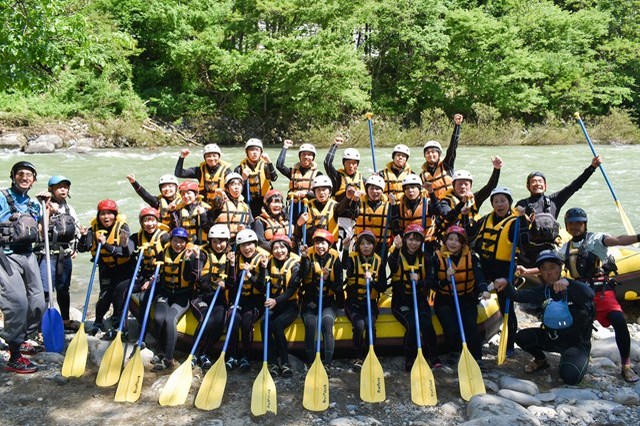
x=229, y=208
x=272, y=221
x=348, y=175
x=436, y=171
x=115, y=267
x=407, y=263
x=363, y=265
x=216, y=272
x=210, y=174
x=395, y=171
x=470, y=282
x=282, y=269
x=258, y=170
x=178, y=274
x=192, y=213
x=321, y=211
x=320, y=261
x=542, y=211
x=414, y=208
x=300, y=175
x=166, y=201
x=64, y=233
x=249, y=258
x=21, y=296
x=567, y=331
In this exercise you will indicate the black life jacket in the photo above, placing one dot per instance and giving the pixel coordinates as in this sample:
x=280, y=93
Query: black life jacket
x=21, y=230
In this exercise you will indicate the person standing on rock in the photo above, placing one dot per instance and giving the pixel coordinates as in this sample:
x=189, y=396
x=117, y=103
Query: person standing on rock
x=21, y=297
x=568, y=314
x=210, y=174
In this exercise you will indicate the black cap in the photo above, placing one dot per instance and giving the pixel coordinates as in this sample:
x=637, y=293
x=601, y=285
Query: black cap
x=548, y=256
x=575, y=214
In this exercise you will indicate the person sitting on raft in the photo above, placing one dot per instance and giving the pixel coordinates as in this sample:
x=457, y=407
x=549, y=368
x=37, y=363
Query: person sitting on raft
x=436, y=172
x=165, y=202
x=210, y=174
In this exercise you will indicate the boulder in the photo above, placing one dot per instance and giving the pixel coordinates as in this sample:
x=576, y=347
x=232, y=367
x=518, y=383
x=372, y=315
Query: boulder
x=13, y=141
x=574, y=394
x=521, y=398
x=607, y=348
x=518, y=385
x=499, y=409
x=626, y=396
x=355, y=421
x=593, y=412
x=39, y=148
x=503, y=420
x=55, y=140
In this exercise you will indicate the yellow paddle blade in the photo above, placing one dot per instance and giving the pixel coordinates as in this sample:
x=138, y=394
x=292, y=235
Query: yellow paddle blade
x=130, y=385
x=75, y=360
x=263, y=395
x=423, y=385
x=625, y=219
x=504, y=335
x=209, y=395
x=176, y=389
x=469, y=375
x=111, y=363
x=316, y=387
x=372, y=379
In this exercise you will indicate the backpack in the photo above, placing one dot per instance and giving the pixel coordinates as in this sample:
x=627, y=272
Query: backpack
x=62, y=228
x=21, y=228
x=556, y=314
x=544, y=229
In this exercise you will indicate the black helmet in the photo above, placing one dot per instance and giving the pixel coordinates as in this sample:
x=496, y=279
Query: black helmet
x=575, y=214
x=23, y=165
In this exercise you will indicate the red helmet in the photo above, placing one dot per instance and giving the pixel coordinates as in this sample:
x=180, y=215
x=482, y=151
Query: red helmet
x=189, y=185
x=148, y=211
x=455, y=229
x=272, y=193
x=282, y=238
x=414, y=228
x=367, y=234
x=323, y=234
x=108, y=205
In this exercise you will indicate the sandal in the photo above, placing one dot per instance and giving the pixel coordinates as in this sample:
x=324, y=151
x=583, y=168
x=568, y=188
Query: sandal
x=629, y=375
x=536, y=365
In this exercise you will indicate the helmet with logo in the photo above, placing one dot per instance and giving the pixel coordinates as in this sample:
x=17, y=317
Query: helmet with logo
x=189, y=185
x=402, y=149
x=375, y=180
x=253, y=142
x=548, y=256
x=109, y=205
x=324, y=235
x=231, y=176
x=148, y=211
x=575, y=214
x=321, y=181
x=462, y=175
x=281, y=238
x=455, y=229
x=58, y=179
x=180, y=233
x=414, y=228
x=219, y=231
x=502, y=190
x=246, y=236
x=432, y=144
x=211, y=148
x=307, y=147
x=410, y=180
x=167, y=179
x=350, y=154
x=21, y=165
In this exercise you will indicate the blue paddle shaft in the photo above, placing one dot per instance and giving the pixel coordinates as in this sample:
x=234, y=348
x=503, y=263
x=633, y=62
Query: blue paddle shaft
x=304, y=227
x=266, y=322
x=320, y=311
x=93, y=275
x=291, y=216
x=415, y=314
x=147, y=310
x=369, y=312
x=235, y=309
x=454, y=290
x=205, y=321
x=373, y=151
x=125, y=310
x=593, y=151
x=248, y=191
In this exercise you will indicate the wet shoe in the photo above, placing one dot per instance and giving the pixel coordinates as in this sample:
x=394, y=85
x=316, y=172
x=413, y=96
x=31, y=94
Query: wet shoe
x=232, y=363
x=194, y=362
x=286, y=371
x=536, y=365
x=629, y=375
x=357, y=365
x=21, y=366
x=511, y=353
x=244, y=365
x=27, y=348
x=165, y=364
x=157, y=358
x=205, y=362
x=274, y=370
x=96, y=328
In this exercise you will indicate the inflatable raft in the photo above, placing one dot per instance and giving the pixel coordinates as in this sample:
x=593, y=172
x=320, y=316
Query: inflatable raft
x=628, y=262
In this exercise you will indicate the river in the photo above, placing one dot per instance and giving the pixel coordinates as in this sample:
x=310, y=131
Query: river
x=102, y=174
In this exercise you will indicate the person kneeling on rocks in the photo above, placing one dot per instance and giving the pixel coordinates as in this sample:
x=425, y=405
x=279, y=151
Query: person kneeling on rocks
x=568, y=314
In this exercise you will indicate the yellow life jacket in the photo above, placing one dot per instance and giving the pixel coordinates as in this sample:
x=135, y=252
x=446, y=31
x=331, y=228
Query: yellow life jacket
x=372, y=219
x=209, y=182
x=281, y=276
x=259, y=184
x=163, y=208
x=215, y=265
x=465, y=280
x=234, y=214
x=151, y=253
x=402, y=275
x=113, y=238
x=452, y=199
x=409, y=217
x=325, y=218
x=441, y=179
x=189, y=221
x=315, y=271
x=272, y=226
x=393, y=183
x=247, y=286
x=346, y=180
x=493, y=237
x=301, y=181
x=173, y=270
x=358, y=279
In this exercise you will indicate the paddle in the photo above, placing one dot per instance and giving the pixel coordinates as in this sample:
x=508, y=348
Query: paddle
x=372, y=387
x=291, y=216
x=424, y=219
x=111, y=363
x=385, y=235
x=52, y=325
x=211, y=390
x=176, y=389
x=423, y=386
x=75, y=360
x=625, y=220
x=373, y=151
x=130, y=385
x=248, y=191
x=304, y=225
x=504, y=333
x=469, y=374
x=316, y=383
x=263, y=395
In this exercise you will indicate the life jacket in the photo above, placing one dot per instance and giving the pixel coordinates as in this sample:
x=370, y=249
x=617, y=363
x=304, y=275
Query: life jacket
x=586, y=266
x=300, y=181
x=215, y=266
x=393, y=183
x=281, y=275
x=440, y=179
x=173, y=271
x=259, y=184
x=273, y=226
x=247, y=286
x=20, y=231
x=409, y=216
x=325, y=218
x=163, y=208
x=465, y=280
x=372, y=219
x=345, y=181
x=234, y=214
x=189, y=220
x=155, y=247
x=493, y=237
x=113, y=238
x=315, y=271
x=357, y=283
x=402, y=275
x=465, y=221
x=210, y=181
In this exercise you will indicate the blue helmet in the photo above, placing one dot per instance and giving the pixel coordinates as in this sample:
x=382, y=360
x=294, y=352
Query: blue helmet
x=58, y=179
x=180, y=232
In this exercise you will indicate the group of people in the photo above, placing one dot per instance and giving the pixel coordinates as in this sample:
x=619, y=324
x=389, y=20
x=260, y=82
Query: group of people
x=335, y=238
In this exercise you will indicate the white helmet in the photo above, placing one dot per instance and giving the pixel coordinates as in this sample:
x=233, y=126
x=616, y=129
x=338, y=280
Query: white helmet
x=231, y=176
x=502, y=190
x=307, y=147
x=402, y=149
x=412, y=179
x=462, y=175
x=432, y=144
x=167, y=179
x=351, y=154
x=246, y=236
x=322, y=181
x=212, y=148
x=253, y=142
x=375, y=180
x=219, y=231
